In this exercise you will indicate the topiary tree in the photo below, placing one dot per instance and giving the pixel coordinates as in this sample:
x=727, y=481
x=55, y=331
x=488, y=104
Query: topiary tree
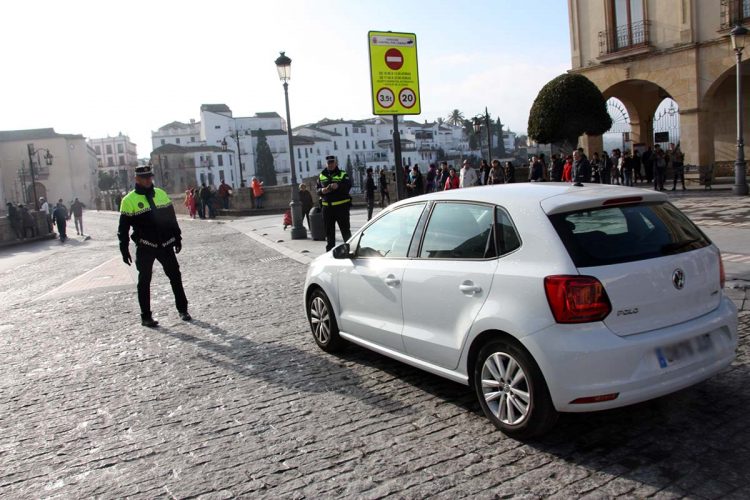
x=567, y=107
x=264, y=161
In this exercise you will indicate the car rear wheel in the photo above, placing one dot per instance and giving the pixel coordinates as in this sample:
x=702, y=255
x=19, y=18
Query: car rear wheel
x=323, y=324
x=512, y=391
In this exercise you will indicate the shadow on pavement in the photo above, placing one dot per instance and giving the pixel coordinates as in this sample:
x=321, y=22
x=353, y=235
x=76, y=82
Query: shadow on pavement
x=285, y=365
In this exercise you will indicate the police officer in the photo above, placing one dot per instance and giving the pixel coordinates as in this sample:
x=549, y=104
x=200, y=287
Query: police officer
x=149, y=211
x=333, y=189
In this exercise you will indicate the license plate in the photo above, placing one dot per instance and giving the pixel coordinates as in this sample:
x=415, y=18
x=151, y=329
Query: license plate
x=674, y=353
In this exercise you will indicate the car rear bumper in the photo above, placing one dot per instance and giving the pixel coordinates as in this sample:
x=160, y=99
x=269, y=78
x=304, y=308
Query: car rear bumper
x=583, y=361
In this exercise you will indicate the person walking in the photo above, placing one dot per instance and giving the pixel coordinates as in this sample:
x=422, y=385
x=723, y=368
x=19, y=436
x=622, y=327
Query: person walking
x=225, y=193
x=567, y=173
x=496, y=173
x=203, y=194
x=648, y=164
x=190, y=202
x=60, y=218
x=605, y=169
x=453, y=181
x=431, y=178
x=510, y=172
x=556, y=168
x=14, y=218
x=660, y=168
x=443, y=175
x=677, y=158
x=415, y=187
x=44, y=208
x=257, y=186
x=383, y=187
x=77, y=208
x=369, y=192
x=333, y=190
x=581, y=168
x=305, y=199
x=484, y=172
x=628, y=168
x=468, y=177
x=157, y=236
x=536, y=170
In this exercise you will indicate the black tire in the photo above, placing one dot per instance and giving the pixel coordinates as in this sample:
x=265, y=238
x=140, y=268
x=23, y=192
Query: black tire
x=505, y=406
x=323, y=324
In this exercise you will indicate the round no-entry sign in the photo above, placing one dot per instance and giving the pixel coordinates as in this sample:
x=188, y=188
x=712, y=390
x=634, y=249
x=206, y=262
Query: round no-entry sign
x=394, y=59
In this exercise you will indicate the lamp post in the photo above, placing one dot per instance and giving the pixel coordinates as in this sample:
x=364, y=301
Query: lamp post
x=47, y=159
x=284, y=67
x=238, y=155
x=737, y=36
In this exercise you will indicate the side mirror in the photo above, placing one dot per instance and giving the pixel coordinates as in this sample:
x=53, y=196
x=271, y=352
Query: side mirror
x=342, y=251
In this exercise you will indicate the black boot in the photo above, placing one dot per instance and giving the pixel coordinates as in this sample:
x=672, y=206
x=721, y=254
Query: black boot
x=185, y=316
x=148, y=321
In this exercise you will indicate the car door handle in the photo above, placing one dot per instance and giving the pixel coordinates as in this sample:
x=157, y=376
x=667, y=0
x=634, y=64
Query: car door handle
x=392, y=281
x=469, y=288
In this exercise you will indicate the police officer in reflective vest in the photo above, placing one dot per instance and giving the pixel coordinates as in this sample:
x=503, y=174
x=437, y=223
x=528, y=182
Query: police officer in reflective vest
x=156, y=234
x=333, y=189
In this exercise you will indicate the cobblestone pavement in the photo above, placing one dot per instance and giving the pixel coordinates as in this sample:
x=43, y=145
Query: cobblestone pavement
x=241, y=402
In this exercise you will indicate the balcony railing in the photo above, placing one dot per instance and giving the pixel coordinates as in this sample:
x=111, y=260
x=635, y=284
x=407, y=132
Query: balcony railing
x=625, y=37
x=734, y=12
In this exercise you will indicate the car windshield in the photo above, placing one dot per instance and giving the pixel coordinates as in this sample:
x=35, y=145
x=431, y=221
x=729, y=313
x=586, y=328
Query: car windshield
x=613, y=235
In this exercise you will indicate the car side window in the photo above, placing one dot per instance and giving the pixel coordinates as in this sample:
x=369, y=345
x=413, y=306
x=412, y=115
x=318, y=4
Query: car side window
x=389, y=236
x=459, y=231
x=507, y=236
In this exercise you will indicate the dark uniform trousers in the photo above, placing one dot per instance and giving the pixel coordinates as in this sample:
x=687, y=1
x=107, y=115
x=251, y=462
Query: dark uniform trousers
x=144, y=262
x=337, y=214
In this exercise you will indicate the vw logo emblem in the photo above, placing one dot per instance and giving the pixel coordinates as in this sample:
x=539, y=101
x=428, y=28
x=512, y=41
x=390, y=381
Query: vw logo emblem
x=678, y=278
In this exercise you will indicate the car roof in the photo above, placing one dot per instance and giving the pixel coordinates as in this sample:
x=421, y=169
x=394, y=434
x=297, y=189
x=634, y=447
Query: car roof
x=553, y=197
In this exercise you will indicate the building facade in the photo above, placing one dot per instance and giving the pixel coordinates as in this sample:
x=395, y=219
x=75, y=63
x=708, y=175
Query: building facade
x=642, y=52
x=116, y=156
x=72, y=174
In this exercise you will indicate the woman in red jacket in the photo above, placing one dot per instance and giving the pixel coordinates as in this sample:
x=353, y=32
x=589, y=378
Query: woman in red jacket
x=453, y=181
x=567, y=175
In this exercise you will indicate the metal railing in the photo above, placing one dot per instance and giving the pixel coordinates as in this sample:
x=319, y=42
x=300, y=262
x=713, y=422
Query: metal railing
x=625, y=37
x=734, y=12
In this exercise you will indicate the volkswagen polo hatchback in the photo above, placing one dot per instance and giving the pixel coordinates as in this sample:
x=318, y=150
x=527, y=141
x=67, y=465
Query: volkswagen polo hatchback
x=543, y=297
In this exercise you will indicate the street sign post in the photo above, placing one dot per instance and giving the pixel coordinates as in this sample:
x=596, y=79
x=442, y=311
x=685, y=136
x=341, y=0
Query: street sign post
x=394, y=75
x=394, y=84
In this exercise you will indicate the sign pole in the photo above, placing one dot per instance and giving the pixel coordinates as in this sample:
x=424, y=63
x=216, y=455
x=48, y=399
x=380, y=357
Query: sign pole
x=399, y=162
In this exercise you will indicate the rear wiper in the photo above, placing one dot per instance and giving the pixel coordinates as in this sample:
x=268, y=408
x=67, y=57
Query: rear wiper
x=679, y=245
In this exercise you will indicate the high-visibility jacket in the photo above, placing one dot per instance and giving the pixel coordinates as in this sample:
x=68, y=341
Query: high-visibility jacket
x=151, y=215
x=339, y=196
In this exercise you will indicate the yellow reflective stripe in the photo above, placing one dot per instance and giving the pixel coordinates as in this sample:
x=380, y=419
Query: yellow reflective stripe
x=334, y=203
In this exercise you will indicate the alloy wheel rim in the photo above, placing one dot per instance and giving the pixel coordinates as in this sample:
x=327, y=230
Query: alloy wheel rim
x=320, y=320
x=505, y=388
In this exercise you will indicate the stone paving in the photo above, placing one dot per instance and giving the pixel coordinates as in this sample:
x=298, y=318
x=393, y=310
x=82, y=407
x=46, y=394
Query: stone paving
x=241, y=403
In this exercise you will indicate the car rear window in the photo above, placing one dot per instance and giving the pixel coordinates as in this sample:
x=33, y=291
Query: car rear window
x=627, y=233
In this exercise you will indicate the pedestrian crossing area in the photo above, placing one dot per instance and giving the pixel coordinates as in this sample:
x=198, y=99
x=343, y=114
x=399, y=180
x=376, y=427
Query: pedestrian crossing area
x=735, y=257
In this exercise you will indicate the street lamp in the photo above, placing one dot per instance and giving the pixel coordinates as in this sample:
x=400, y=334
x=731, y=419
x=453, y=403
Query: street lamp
x=238, y=155
x=47, y=159
x=737, y=36
x=284, y=67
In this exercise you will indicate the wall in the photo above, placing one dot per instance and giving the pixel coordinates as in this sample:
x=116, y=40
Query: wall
x=8, y=236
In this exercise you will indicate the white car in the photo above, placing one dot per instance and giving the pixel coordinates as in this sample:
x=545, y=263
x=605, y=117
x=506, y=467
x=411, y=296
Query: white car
x=543, y=297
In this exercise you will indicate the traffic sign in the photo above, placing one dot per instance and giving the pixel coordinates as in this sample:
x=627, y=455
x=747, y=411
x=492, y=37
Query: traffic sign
x=394, y=72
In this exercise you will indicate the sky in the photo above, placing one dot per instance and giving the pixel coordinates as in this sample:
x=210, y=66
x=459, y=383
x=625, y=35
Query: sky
x=102, y=67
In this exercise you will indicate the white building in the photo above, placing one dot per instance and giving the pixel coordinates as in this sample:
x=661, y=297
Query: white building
x=178, y=133
x=116, y=156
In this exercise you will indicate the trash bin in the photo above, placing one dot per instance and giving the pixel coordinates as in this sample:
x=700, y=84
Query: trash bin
x=317, y=229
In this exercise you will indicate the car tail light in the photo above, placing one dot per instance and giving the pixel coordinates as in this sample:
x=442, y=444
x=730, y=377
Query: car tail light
x=576, y=299
x=722, y=276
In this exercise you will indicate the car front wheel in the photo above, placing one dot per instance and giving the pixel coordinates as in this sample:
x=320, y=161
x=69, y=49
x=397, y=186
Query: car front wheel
x=323, y=324
x=512, y=391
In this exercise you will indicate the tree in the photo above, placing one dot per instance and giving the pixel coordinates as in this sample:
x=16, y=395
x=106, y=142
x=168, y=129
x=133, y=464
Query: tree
x=264, y=161
x=497, y=130
x=468, y=127
x=567, y=107
x=106, y=181
x=440, y=120
x=456, y=118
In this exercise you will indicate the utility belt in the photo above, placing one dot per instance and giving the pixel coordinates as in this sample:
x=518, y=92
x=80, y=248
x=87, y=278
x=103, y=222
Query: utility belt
x=335, y=203
x=151, y=244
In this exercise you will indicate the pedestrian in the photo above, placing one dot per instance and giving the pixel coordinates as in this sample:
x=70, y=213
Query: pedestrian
x=627, y=168
x=258, y=191
x=615, y=173
x=383, y=187
x=369, y=192
x=333, y=190
x=556, y=168
x=484, y=172
x=496, y=173
x=605, y=169
x=287, y=218
x=190, y=202
x=203, y=195
x=468, y=177
x=581, y=168
x=443, y=175
x=305, y=198
x=14, y=218
x=648, y=164
x=638, y=173
x=510, y=172
x=567, y=173
x=453, y=181
x=98, y=203
x=45, y=209
x=660, y=168
x=157, y=236
x=60, y=217
x=225, y=193
x=77, y=208
x=536, y=170
x=431, y=178
x=677, y=159
x=415, y=187
x=596, y=164
x=28, y=224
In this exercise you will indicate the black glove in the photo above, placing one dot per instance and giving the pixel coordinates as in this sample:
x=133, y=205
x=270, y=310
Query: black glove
x=126, y=258
x=177, y=247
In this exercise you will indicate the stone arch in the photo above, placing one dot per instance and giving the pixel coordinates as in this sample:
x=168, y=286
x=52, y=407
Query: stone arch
x=666, y=123
x=641, y=98
x=620, y=130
